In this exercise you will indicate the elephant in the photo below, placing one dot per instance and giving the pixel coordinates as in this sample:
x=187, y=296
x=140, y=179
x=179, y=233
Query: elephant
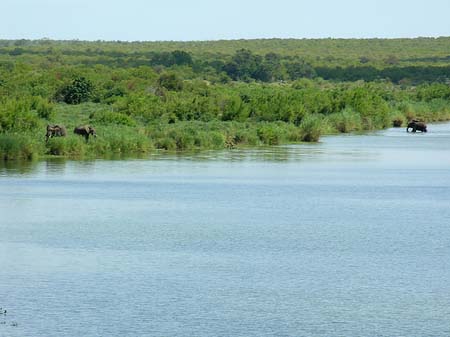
x=415, y=125
x=55, y=131
x=85, y=130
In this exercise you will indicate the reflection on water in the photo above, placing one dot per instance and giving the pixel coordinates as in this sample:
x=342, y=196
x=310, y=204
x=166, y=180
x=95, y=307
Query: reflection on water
x=16, y=167
x=347, y=237
x=55, y=166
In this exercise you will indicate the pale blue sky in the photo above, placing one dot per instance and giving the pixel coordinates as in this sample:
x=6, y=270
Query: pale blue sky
x=212, y=20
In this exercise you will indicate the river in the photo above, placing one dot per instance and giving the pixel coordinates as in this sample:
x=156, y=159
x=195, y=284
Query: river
x=347, y=237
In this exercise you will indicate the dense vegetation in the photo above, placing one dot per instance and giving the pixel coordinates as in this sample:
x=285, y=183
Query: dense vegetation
x=142, y=96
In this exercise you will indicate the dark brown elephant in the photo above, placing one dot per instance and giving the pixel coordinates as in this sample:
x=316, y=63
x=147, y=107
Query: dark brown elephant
x=415, y=125
x=86, y=131
x=55, y=131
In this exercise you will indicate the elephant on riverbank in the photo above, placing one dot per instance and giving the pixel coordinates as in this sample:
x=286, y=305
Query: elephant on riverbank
x=55, y=131
x=85, y=131
x=415, y=125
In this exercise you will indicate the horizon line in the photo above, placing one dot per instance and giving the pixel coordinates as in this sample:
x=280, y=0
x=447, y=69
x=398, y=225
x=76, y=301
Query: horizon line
x=223, y=40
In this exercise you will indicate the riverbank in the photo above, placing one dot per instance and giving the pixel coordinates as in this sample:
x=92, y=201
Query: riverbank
x=125, y=140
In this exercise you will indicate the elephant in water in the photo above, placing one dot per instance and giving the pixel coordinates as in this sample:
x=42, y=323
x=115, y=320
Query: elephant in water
x=55, y=131
x=415, y=125
x=85, y=130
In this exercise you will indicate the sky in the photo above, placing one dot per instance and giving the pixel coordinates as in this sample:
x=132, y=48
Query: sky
x=156, y=20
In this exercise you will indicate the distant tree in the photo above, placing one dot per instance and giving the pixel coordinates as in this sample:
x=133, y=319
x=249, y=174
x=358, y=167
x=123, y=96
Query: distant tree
x=217, y=64
x=16, y=52
x=163, y=58
x=299, y=69
x=168, y=59
x=181, y=57
x=245, y=65
x=272, y=62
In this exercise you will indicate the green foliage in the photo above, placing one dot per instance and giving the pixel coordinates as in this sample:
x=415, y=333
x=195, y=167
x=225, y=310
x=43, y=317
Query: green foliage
x=119, y=140
x=43, y=107
x=16, y=146
x=80, y=90
x=115, y=118
x=181, y=57
x=70, y=146
x=345, y=121
x=429, y=92
x=300, y=69
x=245, y=66
x=370, y=104
x=110, y=140
x=168, y=59
x=269, y=134
x=170, y=81
x=311, y=128
x=16, y=115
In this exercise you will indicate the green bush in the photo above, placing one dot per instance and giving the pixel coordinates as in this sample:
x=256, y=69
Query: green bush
x=166, y=143
x=80, y=90
x=71, y=146
x=43, y=107
x=345, y=121
x=19, y=146
x=311, y=128
x=16, y=115
x=269, y=134
x=246, y=136
x=217, y=140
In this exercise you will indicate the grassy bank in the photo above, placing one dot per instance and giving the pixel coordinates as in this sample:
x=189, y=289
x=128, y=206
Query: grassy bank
x=134, y=140
x=183, y=136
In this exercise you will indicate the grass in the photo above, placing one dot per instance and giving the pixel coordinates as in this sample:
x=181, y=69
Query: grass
x=346, y=121
x=25, y=146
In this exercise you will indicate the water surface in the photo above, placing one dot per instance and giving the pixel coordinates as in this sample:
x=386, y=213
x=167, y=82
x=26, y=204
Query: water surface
x=348, y=237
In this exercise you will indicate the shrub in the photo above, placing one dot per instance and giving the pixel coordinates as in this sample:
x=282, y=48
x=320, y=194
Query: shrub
x=398, y=119
x=268, y=134
x=246, y=135
x=16, y=115
x=407, y=109
x=71, y=146
x=311, y=128
x=19, y=146
x=184, y=140
x=217, y=140
x=43, y=107
x=166, y=143
x=346, y=121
